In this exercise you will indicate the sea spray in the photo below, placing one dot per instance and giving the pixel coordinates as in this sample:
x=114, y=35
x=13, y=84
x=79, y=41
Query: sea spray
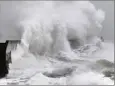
x=59, y=35
x=39, y=27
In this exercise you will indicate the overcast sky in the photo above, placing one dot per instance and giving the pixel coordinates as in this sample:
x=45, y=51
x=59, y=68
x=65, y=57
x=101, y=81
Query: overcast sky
x=108, y=24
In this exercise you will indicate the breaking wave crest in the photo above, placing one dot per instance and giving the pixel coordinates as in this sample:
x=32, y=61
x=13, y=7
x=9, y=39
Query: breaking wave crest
x=50, y=26
x=64, y=38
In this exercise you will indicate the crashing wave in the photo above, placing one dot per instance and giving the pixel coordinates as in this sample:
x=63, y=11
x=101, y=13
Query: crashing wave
x=63, y=37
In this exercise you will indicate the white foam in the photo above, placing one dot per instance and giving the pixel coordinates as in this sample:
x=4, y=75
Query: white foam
x=47, y=28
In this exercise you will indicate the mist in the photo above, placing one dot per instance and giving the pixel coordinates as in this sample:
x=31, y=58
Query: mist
x=60, y=43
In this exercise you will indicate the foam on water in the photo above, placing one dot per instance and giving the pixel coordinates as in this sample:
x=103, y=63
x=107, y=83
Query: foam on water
x=51, y=30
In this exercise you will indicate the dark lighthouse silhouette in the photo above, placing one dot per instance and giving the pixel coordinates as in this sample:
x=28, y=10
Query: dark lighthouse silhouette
x=3, y=62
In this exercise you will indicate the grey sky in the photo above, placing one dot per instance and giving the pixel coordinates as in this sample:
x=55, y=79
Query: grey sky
x=108, y=24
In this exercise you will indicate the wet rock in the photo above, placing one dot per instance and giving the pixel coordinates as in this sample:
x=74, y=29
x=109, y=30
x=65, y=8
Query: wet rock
x=3, y=63
x=105, y=63
x=109, y=73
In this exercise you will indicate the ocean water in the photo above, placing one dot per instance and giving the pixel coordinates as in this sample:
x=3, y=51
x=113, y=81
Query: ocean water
x=60, y=45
